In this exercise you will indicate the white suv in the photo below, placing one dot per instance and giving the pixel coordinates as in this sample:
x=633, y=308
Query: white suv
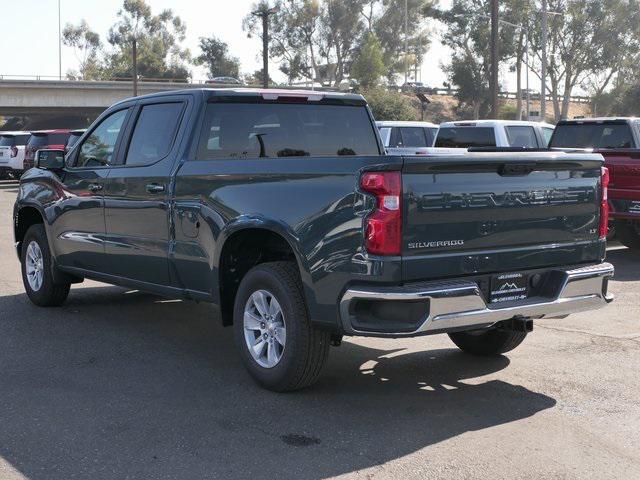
x=12, y=146
x=456, y=137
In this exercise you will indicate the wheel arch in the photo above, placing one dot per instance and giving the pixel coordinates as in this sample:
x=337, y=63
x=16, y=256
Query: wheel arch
x=250, y=243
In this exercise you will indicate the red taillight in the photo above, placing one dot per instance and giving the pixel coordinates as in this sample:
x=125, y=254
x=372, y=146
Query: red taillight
x=604, y=203
x=14, y=152
x=384, y=225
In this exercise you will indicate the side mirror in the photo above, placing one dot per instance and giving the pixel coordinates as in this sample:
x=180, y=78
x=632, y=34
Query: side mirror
x=49, y=159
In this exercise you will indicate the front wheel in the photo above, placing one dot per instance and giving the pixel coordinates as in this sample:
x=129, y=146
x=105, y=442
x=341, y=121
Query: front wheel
x=488, y=342
x=278, y=345
x=628, y=232
x=37, y=271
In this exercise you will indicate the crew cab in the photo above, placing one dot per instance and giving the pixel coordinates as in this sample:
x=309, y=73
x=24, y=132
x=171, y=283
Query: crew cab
x=282, y=210
x=457, y=137
x=12, y=148
x=407, y=138
x=618, y=141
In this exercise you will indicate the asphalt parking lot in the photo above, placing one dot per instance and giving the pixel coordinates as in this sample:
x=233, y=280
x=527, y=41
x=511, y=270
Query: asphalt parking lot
x=120, y=384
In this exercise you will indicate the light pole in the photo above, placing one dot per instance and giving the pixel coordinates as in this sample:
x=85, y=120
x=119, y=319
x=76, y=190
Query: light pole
x=59, y=42
x=406, y=34
x=264, y=14
x=495, y=19
x=543, y=68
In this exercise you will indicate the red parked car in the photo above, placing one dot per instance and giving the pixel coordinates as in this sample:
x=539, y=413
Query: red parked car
x=56, y=139
x=618, y=141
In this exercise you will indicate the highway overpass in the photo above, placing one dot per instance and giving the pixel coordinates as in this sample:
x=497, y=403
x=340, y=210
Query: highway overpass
x=41, y=104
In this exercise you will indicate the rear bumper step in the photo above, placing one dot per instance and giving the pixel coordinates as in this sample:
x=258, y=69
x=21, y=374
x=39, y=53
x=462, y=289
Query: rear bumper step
x=459, y=305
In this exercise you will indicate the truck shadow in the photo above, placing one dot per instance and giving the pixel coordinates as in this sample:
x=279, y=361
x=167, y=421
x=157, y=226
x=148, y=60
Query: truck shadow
x=122, y=384
x=627, y=263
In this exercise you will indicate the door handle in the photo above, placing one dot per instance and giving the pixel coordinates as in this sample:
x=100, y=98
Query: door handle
x=155, y=188
x=95, y=187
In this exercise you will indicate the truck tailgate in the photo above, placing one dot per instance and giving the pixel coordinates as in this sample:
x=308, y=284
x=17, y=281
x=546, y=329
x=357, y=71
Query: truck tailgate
x=499, y=212
x=624, y=168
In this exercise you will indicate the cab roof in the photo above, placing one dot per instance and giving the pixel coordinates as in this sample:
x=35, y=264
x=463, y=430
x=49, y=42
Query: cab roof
x=578, y=121
x=393, y=123
x=269, y=94
x=494, y=123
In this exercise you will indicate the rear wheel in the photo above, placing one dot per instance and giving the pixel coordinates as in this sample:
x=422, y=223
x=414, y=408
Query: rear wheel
x=488, y=342
x=628, y=232
x=37, y=273
x=278, y=345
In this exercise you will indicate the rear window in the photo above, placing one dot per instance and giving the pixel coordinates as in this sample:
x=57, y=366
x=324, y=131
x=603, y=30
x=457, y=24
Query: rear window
x=7, y=141
x=592, y=135
x=413, y=137
x=522, y=137
x=254, y=130
x=40, y=140
x=465, y=137
x=73, y=139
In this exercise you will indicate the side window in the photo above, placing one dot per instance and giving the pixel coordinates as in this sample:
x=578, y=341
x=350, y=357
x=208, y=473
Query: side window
x=154, y=133
x=431, y=135
x=385, y=134
x=521, y=137
x=396, y=140
x=547, y=133
x=98, y=148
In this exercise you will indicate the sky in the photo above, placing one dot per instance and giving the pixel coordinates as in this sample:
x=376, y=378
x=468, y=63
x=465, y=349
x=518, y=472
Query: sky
x=29, y=43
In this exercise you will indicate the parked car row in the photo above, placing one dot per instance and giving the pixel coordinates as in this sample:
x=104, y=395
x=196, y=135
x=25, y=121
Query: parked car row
x=423, y=138
x=18, y=149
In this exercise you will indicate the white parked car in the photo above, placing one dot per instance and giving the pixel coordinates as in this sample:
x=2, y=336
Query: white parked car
x=12, y=146
x=407, y=138
x=457, y=137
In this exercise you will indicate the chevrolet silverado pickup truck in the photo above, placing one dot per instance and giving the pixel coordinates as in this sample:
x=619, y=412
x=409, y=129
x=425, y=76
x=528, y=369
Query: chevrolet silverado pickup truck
x=282, y=210
x=618, y=141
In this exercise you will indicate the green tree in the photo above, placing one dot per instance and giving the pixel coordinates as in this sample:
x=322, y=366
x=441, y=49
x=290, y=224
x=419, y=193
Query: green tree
x=310, y=38
x=588, y=45
x=387, y=105
x=215, y=56
x=86, y=46
x=368, y=65
x=389, y=26
x=468, y=34
x=158, y=37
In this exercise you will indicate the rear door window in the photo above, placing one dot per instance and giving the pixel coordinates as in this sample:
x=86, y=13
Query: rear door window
x=465, y=137
x=547, y=133
x=413, y=137
x=154, y=133
x=521, y=137
x=592, y=135
x=268, y=130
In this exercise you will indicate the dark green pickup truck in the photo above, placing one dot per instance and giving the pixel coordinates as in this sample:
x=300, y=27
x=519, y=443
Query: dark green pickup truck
x=282, y=210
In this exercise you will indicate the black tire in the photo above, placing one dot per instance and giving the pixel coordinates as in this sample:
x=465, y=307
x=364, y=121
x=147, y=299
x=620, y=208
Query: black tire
x=488, y=343
x=628, y=232
x=306, y=349
x=49, y=294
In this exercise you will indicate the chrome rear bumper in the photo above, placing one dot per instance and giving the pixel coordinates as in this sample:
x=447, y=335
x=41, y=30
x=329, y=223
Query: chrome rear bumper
x=460, y=305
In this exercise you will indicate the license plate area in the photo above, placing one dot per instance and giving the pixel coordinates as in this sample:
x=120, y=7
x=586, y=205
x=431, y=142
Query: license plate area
x=509, y=287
